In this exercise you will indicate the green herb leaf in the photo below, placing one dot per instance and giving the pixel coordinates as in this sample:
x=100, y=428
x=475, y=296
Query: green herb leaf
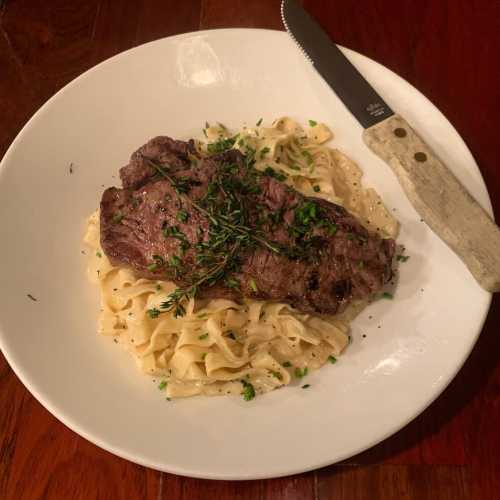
x=332, y=359
x=316, y=189
x=153, y=313
x=253, y=285
x=98, y=254
x=263, y=152
x=402, y=258
x=301, y=372
x=312, y=123
x=117, y=218
x=162, y=386
x=248, y=390
x=182, y=216
x=203, y=337
x=387, y=295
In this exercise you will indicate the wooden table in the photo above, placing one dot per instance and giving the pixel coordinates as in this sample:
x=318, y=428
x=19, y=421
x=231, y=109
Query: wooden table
x=448, y=49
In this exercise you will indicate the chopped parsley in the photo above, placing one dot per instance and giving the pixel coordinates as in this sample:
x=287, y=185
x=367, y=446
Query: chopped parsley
x=316, y=189
x=182, y=216
x=301, y=372
x=162, y=385
x=312, y=123
x=270, y=172
x=253, y=285
x=221, y=145
x=98, y=254
x=387, y=295
x=203, y=337
x=117, y=218
x=263, y=152
x=153, y=313
x=332, y=359
x=248, y=390
x=402, y=258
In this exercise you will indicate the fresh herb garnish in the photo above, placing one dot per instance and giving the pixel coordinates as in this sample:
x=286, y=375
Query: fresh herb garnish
x=312, y=123
x=270, y=172
x=153, y=313
x=387, y=295
x=182, y=216
x=248, y=390
x=162, y=385
x=253, y=285
x=332, y=359
x=287, y=364
x=316, y=189
x=221, y=145
x=402, y=258
x=301, y=372
x=203, y=337
x=98, y=254
x=117, y=218
x=263, y=152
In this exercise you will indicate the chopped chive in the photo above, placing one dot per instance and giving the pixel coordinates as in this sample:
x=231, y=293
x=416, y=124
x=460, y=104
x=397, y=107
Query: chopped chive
x=258, y=123
x=264, y=151
x=182, y=216
x=253, y=285
x=99, y=254
x=301, y=372
x=248, y=390
x=117, y=218
x=153, y=313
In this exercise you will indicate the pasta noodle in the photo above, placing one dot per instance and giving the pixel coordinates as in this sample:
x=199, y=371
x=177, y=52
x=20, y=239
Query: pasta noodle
x=220, y=346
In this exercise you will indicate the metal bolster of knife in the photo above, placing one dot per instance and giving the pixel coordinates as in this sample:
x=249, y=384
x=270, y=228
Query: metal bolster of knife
x=439, y=197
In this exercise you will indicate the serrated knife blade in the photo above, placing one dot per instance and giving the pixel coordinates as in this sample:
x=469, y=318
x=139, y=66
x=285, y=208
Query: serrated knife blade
x=432, y=188
x=347, y=82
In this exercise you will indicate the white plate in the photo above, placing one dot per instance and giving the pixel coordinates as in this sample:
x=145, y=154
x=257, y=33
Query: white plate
x=172, y=87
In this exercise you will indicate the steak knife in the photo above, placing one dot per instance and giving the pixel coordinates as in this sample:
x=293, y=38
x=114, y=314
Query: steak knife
x=434, y=191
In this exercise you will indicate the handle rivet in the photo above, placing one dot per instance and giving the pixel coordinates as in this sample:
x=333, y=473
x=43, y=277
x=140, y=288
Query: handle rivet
x=421, y=157
x=400, y=132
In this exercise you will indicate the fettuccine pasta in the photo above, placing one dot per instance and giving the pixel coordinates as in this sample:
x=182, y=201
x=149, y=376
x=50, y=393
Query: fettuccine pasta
x=220, y=346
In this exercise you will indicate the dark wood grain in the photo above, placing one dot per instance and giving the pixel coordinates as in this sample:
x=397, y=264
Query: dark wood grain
x=449, y=50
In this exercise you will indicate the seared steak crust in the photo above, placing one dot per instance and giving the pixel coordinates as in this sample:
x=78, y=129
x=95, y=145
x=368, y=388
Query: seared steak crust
x=151, y=220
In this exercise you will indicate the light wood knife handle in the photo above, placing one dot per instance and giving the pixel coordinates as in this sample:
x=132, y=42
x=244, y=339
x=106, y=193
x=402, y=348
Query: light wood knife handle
x=439, y=197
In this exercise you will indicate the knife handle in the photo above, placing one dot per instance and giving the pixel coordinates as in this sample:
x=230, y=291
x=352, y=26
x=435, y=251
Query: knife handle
x=439, y=197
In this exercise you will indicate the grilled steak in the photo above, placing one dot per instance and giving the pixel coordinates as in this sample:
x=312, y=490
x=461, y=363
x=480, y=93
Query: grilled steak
x=219, y=228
